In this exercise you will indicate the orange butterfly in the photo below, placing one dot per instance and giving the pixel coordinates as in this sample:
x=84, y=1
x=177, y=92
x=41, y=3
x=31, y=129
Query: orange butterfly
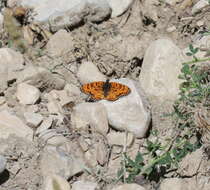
x=105, y=90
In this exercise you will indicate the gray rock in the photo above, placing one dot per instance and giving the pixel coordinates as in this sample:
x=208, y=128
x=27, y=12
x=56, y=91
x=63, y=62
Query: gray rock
x=131, y=112
x=3, y=162
x=27, y=94
x=90, y=114
x=10, y=124
x=160, y=69
x=60, y=43
x=88, y=72
x=1, y=21
x=119, y=6
x=46, y=124
x=119, y=139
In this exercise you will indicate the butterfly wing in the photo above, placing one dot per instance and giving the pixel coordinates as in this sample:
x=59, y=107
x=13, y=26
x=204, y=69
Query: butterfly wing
x=117, y=90
x=95, y=89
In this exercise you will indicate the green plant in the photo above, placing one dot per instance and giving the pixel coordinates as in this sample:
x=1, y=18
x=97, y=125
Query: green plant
x=159, y=158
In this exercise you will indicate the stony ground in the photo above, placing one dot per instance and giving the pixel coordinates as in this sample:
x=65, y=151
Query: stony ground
x=57, y=143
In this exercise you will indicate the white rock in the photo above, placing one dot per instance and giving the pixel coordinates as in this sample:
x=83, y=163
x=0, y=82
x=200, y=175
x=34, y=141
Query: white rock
x=81, y=185
x=33, y=119
x=64, y=14
x=93, y=114
x=27, y=94
x=160, y=69
x=60, y=43
x=131, y=112
x=10, y=62
x=171, y=29
x=55, y=182
x=199, y=6
x=88, y=72
x=3, y=162
x=119, y=6
x=46, y=124
x=10, y=124
x=120, y=139
x=173, y=184
x=131, y=186
x=72, y=90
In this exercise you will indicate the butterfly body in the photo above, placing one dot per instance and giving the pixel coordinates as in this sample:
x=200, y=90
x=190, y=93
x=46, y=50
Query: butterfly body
x=105, y=90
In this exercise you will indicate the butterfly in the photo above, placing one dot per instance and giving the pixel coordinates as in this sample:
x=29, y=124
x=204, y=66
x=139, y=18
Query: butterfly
x=101, y=90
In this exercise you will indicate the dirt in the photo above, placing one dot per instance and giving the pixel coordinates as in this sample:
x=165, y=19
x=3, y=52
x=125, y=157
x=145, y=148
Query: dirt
x=117, y=46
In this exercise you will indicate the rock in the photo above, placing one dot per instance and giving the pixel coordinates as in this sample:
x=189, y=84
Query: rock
x=46, y=124
x=72, y=90
x=160, y=70
x=190, y=164
x=131, y=186
x=61, y=160
x=27, y=94
x=10, y=62
x=60, y=43
x=87, y=185
x=119, y=139
x=93, y=73
x=199, y=6
x=119, y=6
x=171, y=29
x=3, y=163
x=41, y=78
x=10, y=124
x=55, y=182
x=62, y=14
x=93, y=114
x=1, y=21
x=131, y=112
x=33, y=119
x=173, y=184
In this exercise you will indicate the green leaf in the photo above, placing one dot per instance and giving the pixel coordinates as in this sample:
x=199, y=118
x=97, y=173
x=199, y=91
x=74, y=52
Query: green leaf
x=139, y=158
x=191, y=48
x=186, y=69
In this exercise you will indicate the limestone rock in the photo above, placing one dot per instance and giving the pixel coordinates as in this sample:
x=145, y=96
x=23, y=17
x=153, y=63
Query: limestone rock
x=46, y=124
x=173, y=184
x=27, y=94
x=131, y=112
x=160, y=69
x=199, y=6
x=10, y=124
x=88, y=72
x=33, y=119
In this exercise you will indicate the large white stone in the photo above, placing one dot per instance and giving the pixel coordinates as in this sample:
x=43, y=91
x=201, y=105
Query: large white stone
x=160, y=69
x=3, y=162
x=131, y=112
x=65, y=13
x=119, y=6
x=27, y=94
x=10, y=124
x=93, y=114
x=88, y=72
